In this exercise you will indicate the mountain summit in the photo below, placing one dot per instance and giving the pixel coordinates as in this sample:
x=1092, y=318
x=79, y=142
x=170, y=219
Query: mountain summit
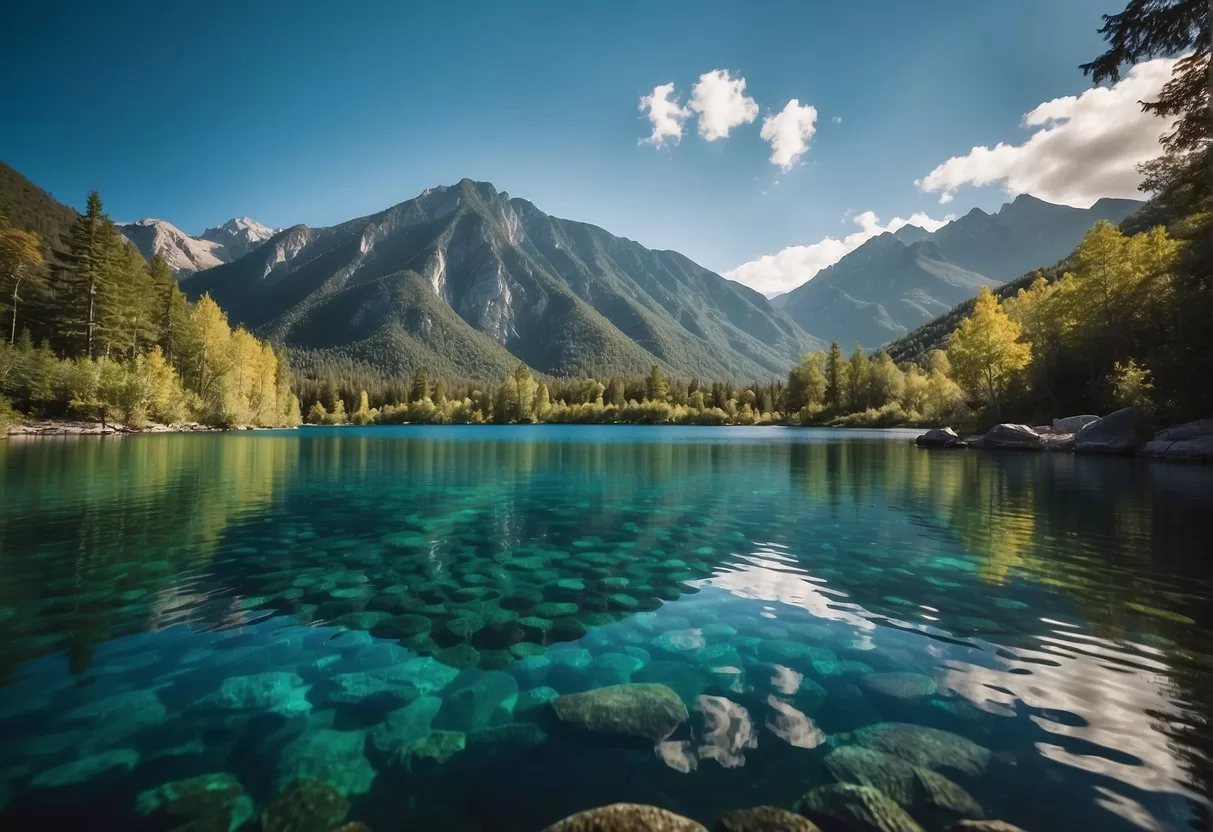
x=898, y=281
x=185, y=254
x=464, y=280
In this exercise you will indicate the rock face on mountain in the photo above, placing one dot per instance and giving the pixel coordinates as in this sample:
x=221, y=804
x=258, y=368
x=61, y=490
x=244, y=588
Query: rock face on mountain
x=465, y=280
x=183, y=253
x=186, y=255
x=898, y=281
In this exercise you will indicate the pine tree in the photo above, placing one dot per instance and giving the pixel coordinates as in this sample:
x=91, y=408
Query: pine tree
x=657, y=389
x=836, y=377
x=421, y=387
x=81, y=278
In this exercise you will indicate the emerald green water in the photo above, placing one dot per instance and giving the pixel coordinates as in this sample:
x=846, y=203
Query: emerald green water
x=393, y=610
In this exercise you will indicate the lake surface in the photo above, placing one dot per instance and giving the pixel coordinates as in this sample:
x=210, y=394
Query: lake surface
x=393, y=610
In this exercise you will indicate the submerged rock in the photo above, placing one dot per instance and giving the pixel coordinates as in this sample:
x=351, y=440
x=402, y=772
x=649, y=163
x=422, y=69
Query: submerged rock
x=306, y=806
x=899, y=685
x=431, y=751
x=84, y=769
x=644, y=711
x=983, y=826
x=922, y=746
x=405, y=725
x=207, y=803
x=626, y=817
x=401, y=682
x=260, y=691
x=764, y=819
x=478, y=699
x=858, y=808
x=335, y=757
x=910, y=786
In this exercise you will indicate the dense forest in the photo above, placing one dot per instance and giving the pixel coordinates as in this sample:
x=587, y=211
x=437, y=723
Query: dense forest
x=93, y=331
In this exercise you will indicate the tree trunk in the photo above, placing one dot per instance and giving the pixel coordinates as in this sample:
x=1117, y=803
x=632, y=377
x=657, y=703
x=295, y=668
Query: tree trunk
x=92, y=310
x=12, y=338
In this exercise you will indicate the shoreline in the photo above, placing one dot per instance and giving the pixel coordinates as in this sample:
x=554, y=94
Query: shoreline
x=77, y=427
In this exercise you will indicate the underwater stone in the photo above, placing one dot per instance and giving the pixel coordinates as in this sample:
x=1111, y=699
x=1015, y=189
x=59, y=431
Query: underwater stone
x=306, y=806
x=214, y=801
x=523, y=649
x=264, y=691
x=763, y=819
x=405, y=725
x=509, y=735
x=460, y=656
x=905, y=783
x=407, y=625
x=683, y=678
x=718, y=630
x=858, y=808
x=83, y=769
x=402, y=682
x=613, y=668
x=556, y=609
x=478, y=699
x=335, y=757
x=532, y=670
x=680, y=642
x=464, y=625
x=900, y=685
x=568, y=629
x=922, y=746
x=361, y=620
x=645, y=711
x=983, y=826
x=534, y=698
x=522, y=598
x=626, y=817
x=431, y=751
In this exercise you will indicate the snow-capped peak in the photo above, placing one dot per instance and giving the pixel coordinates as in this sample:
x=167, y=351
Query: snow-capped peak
x=186, y=254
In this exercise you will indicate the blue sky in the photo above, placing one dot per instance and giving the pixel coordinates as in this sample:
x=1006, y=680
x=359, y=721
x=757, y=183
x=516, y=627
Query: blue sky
x=319, y=112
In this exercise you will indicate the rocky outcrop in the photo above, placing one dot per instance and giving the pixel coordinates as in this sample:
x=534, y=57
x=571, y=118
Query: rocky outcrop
x=1011, y=437
x=764, y=819
x=1117, y=433
x=1190, y=442
x=858, y=808
x=626, y=817
x=1073, y=424
x=940, y=438
x=641, y=711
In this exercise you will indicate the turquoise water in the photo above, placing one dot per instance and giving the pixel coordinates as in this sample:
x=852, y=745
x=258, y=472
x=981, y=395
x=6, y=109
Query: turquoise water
x=393, y=611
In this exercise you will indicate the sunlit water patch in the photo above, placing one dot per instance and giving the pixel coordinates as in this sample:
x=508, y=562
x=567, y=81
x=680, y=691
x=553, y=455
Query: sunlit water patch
x=492, y=628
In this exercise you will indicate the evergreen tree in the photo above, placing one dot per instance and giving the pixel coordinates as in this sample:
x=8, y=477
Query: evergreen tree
x=86, y=262
x=836, y=378
x=657, y=389
x=857, y=389
x=421, y=387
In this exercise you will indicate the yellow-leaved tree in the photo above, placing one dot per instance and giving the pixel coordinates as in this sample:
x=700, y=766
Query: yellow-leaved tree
x=985, y=351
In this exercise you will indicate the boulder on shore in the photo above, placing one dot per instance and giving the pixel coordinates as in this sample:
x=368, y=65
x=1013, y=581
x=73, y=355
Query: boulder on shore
x=1073, y=424
x=940, y=438
x=1011, y=437
x=1190, y=442
x=1119, y=432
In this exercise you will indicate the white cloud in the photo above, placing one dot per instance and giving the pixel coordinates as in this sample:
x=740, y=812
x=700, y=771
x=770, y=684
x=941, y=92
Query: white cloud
x=666, y=114
x=1084, y=147
x=837, y=119
x=789, y=131
x=785, y=270
x=721, y=103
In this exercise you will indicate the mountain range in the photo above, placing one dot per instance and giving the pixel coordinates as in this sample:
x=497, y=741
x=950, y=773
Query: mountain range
x=185, y=254
x=899, y=280
x=465, y=279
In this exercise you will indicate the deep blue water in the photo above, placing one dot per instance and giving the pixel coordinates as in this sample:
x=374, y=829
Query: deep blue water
x=392, y=610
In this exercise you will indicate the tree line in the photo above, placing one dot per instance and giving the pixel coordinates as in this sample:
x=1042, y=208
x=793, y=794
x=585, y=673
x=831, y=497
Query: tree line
x=93, y=331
